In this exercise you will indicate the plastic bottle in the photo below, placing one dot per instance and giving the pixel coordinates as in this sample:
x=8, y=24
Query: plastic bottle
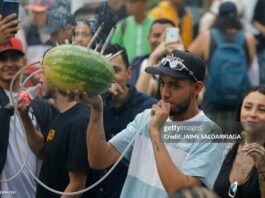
x=28, y=95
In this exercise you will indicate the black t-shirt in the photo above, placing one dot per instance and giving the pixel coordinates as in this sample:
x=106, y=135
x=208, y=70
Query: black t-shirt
x=65, y=149
x=44, y=113
x=259, y=16
x=249, y=189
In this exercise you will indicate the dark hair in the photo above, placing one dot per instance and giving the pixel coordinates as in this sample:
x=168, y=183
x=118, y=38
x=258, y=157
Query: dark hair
x=225, y=22
x=84, y=11
x=260, y=89
x=162, y=21
x=114, y=48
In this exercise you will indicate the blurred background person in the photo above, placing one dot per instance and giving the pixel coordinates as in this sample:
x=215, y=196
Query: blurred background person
x=243, y=171
x=259, y=24
x=155, y=37
x=132, y=32
x=149, y=84
x=227, y=29
x=59, y=24
x=85, y=13
x=83, y=32
x=109, y=14
x=176, y=11
x=12, y=140
x=35, y=26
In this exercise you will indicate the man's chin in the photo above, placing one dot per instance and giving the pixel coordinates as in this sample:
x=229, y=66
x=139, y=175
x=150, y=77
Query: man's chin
x=6, y=80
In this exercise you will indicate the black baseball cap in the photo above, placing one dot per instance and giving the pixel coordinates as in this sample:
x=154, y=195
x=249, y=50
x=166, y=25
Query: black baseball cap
x=195, y=65
x=228, y=8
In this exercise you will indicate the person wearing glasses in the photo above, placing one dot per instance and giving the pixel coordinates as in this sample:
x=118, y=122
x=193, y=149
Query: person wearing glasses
x=83, y=32
x=243, y=171
x=158, y=166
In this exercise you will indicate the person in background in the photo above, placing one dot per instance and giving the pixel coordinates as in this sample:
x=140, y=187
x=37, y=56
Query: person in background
x=227, y=29
x=110, y=13
x=155, y=37
x=36, y=23
x=259, y=23
x=84, y=13
x=175, y=11
x=132, y=32
x=243, y=171
x=160, y=46
x=59, y=25
x=12, y=59
x=83, y=32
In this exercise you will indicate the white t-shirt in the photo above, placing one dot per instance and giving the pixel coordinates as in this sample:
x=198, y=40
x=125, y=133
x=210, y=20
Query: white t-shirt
x=202, y=160
x=23, y=185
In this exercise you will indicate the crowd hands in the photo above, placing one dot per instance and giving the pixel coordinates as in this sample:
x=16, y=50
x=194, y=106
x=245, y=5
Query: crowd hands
x=8, y=27
x=206, y=165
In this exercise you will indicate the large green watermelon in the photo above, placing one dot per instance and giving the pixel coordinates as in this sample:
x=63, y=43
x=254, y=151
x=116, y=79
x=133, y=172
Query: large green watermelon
x=73, y=67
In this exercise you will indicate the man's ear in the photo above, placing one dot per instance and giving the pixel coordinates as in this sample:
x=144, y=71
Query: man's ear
x=129, y=72
x=25, y=61
x=148, y=39
x=198, y=87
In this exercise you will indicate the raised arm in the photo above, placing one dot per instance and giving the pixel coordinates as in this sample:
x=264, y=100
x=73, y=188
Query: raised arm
x=171, y=176
x=101, y=154
x=35, y=138
x=77, y=182
x=144, y=80
x=8, y=25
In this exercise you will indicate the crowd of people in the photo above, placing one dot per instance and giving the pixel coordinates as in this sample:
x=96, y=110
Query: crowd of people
x=195, y=86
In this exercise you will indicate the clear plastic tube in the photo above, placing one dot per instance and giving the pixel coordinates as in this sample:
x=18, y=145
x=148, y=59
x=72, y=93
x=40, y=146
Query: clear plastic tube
x=34, y=176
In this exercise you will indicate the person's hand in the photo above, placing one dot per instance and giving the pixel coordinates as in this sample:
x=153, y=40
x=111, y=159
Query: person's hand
x=114, y=90
x=8, y=26
x=94, y=102
x=22, y=105
x=160, y=113
x=166, y=47
x=257, y=152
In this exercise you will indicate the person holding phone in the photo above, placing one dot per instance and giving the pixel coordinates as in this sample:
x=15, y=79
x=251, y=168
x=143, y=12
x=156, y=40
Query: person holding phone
x=8, y=27
x=163, y=38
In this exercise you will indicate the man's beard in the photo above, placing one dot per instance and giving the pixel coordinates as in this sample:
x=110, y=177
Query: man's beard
x=182, y=107
x=49, y=93
x=6, y=80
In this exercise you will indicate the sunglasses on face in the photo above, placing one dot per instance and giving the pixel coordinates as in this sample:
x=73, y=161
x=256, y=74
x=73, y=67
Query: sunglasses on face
x=176, y=64
x=233, y=189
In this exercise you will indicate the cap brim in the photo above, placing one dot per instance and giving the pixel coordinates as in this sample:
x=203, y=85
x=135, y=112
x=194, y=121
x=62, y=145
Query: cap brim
x=166, y=71
x=10, y=49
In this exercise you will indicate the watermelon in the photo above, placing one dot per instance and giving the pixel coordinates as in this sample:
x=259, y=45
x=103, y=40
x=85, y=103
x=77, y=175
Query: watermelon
x=71, y=67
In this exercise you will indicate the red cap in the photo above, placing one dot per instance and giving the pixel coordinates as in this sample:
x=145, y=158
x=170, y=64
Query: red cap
x=12, y=44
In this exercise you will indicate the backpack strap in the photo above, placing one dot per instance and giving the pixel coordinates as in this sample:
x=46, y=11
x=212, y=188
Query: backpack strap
x=240, y=38
x=4, y=126
x=217, y=36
